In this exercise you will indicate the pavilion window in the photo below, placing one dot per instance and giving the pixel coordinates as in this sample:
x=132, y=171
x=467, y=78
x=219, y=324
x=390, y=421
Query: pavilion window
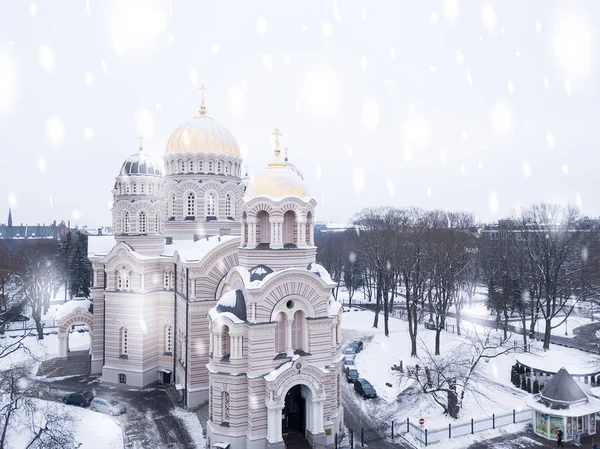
x=168, y=339
x=210, y=205
x=126, y=224
x=191, y=167
x=225, y=406
x=124, y=341
x=228, y=205
x=210, y=166
x=218, y=167
x=298, y=330
x=191, y=204
x=142, y=222
x=141, y=188
x=166, y=280
x=171, y=204
x=280, y=331
x=182, y=165
x=200, y=166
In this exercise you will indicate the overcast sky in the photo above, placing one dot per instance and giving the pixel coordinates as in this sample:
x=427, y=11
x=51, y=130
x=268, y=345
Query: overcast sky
x=461, y=105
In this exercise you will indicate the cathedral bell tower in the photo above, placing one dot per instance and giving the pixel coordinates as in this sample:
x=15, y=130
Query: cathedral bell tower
x=278, y=215
x=138, y=204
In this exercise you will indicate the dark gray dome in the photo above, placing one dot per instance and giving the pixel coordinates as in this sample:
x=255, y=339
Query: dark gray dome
x=140, y=164
x=233, y=302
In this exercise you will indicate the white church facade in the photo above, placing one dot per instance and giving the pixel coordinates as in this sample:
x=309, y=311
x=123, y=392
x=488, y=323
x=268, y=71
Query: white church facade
x=212, y=285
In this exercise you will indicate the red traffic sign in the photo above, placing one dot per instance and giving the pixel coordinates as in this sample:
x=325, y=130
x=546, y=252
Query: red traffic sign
x=421, y=421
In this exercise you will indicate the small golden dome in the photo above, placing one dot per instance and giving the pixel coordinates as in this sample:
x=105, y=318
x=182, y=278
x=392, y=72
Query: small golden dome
x=202, y=134
x=277, y=181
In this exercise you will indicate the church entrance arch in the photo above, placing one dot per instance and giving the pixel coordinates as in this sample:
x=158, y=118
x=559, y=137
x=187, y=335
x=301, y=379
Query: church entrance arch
x=78, y=316
x=295, y=408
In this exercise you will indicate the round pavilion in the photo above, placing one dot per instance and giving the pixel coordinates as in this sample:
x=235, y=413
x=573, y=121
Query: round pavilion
x=562, y=405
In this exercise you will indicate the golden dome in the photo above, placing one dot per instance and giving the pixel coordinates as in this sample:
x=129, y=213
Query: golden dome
x=202, y=134
x=278, y=180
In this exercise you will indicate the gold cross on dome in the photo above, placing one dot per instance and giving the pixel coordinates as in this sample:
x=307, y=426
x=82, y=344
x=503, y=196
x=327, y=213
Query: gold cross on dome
x=203, y=89
x=276, y=132
x=141, y=140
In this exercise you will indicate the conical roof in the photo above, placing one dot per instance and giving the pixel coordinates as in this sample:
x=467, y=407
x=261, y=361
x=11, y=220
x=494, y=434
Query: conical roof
x=562, y=391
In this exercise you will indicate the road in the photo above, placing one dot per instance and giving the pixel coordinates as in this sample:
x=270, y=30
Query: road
x=584, y=336
x=147, y=423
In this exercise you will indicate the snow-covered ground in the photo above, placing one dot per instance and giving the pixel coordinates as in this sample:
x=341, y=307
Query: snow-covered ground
x=93, y=430
x=192, y=424
x=498, y=395
x=43, y=349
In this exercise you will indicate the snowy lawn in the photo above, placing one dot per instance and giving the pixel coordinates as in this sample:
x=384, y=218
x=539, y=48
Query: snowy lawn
x=496, y=393
x=42, y=349
x=93, y=430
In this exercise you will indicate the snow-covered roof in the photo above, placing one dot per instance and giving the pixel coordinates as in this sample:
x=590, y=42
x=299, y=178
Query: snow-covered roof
x=190, y=251
x=333, y=307
x=321, y=272
x=571, y=361
x=274, y=374
x=562, y=391
x=71, y=305
x=214, y=314
x=233, y=301
x=585, y=408
x=100, y=245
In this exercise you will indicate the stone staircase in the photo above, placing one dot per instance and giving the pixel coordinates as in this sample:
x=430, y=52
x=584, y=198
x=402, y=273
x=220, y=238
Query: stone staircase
x=77, y=363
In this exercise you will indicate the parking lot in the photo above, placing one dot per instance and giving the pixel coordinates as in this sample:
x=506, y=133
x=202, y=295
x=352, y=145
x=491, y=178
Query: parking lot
x=148, y=422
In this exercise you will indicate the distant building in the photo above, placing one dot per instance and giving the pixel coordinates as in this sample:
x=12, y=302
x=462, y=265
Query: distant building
x=324, y=228
x=52, y=231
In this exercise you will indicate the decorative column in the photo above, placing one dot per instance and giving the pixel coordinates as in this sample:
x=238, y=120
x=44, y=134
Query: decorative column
x=210, y=339
x=62, y=346
x=251, y=221
x=317, y=416
x=333, y=336
x=311, y=233
x=274, y=423
x=276, y=232
x=301, y=231
x=219, y=344
x=243, y=236
x=288, y=337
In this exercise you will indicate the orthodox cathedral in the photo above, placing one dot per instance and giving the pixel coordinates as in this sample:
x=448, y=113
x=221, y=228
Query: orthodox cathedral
x=212, y=285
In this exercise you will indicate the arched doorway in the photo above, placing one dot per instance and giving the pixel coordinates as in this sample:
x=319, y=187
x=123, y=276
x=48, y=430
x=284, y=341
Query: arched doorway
x=78, y=316
x=293, y=424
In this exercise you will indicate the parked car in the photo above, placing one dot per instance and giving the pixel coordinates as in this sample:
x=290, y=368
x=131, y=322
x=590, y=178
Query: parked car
x=14, y=316
x=364, y=388
x=349, y=362
x=357, y=346
x=351, y=373
x=81, y=398
x=109, y=406
x=349, y=351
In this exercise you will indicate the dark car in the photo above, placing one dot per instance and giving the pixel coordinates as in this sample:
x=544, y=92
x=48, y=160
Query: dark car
x=357, y=346
x=81, y=398
x=364, y=388
x=13, y=316
x=351, y=374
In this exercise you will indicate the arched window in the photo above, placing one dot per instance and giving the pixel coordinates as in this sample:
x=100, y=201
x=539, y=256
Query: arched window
x=200, y=167
x=123, y=341
x=298, y=330
x=126, y=281
x=142, y=222
x=182, y=166
x=171, y=211
x=218, y=167
x=127, y=188
x=263, y=227
x=168, y=339
x=280, y=333
x=225, y=406
x=225, y=341
x=166, y=280
x=126, y=224
x=226, y=168
x=157, y=219
x=228, y=205
x=191, y=204
x=119, y=281
x=289, y=227
x=141, y=188
x=134, y=187
x=210, y=205
x=191, y=167
x=210, y=166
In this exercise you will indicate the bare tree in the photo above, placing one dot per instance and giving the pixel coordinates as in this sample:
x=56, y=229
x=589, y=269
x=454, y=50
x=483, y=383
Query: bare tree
x=448, y=379
x=39, y=280
x=555, y=241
